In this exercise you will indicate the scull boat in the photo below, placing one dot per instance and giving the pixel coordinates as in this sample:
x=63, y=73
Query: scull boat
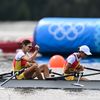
x=51, y=84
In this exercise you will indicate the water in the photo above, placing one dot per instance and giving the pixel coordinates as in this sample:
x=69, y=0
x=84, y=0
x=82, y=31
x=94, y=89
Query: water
x=14, y=30
x=50, y=94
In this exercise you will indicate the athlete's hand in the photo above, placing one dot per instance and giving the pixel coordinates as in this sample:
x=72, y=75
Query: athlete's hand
x=37, y=47
x=80, y=68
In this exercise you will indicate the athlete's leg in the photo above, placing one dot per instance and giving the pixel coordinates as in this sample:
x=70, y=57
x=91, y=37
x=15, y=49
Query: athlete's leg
x=31, y=71
x=44, y=69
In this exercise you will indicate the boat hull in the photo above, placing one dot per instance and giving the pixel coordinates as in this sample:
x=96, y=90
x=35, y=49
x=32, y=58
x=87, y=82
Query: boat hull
x=52, y=84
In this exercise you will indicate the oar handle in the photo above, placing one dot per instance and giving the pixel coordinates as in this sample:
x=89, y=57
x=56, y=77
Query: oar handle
x=92, y=69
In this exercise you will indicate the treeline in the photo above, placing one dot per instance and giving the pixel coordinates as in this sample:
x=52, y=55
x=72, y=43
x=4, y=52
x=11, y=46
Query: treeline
x=37, y=9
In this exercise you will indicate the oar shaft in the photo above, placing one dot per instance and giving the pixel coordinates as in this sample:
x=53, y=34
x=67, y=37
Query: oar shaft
x=17, y=73
x=91, y=74
x=5, y=74
x=59, y=77
x=57, y=73
x=92, y=69
x=72, y=74
x=6, y=80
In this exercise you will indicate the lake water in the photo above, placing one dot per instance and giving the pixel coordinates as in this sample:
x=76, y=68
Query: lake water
x=7, y=31
x=36, y=94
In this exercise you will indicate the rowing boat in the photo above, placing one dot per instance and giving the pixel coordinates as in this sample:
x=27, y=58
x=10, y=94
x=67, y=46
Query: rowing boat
x=52, y=84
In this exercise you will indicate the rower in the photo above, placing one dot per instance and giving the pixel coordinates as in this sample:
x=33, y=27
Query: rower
x=73, y=62
x=24, y=60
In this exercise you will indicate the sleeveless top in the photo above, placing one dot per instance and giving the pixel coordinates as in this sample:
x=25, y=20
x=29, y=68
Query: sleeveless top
x=74, y=65
x=18, y=62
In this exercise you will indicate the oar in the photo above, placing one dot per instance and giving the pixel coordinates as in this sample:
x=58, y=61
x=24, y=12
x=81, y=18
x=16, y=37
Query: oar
x=72, y=74
x=5, y=74
x=76, y=74
x=91, y=74
x=50, y=71
x=92, y=69
x=59, y=77
x=17, y=73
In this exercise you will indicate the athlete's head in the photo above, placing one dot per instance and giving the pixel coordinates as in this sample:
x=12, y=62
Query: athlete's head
x=26, y=45
x=85, y=49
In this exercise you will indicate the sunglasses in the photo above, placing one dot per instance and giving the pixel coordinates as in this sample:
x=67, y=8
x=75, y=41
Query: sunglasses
x=29, y=46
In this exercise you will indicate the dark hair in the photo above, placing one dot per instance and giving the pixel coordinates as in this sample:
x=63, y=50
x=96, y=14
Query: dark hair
x=25, y=42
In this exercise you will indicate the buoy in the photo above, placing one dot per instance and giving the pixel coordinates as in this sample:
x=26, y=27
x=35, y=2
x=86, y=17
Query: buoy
x=57, y=61
x=72, y=31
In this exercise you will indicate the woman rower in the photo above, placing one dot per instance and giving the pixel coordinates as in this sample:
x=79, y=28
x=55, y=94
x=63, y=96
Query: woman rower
x=73, y=62
x=24, y=60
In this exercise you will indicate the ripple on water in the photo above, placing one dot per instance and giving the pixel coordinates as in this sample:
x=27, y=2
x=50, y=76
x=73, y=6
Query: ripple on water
x=50, y=94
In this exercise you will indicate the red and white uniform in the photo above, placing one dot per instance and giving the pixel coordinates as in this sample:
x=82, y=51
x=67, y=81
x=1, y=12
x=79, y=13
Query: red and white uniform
x=18, y=62
x=74, y=61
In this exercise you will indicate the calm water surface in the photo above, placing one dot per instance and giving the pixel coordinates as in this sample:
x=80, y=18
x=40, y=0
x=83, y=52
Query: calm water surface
x=36, y=94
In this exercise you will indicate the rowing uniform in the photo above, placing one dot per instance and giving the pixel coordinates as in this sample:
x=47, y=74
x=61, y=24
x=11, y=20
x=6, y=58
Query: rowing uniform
x=19, y=63
x=74, y=61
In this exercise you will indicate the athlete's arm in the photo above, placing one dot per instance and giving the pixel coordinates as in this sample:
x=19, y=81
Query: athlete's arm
x=33, y=56
x=66, y=67
x=80, y=68
x=69, y=61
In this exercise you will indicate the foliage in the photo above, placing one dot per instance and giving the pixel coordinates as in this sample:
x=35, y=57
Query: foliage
x=37, y=9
